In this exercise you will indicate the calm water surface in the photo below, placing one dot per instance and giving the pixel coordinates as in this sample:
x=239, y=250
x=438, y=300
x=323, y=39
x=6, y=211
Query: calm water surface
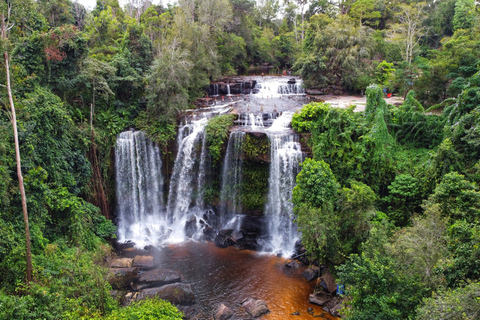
x=230, y=275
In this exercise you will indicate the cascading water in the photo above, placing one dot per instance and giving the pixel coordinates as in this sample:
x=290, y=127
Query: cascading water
x=139, y=188
x=185, y=197
x=255, y=121
x=276, y=87
x=230, y=203
x=228, y=90
x=285, y=159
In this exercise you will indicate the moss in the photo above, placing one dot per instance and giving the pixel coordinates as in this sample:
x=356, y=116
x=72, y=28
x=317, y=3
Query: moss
x=255, y=185
x=256, y=147
x=217, y=135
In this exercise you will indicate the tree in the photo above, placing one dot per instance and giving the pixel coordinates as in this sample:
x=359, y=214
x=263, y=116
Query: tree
x=457, y=197
x=57, y=12
x=266, y=12
x=316, y=185
x=409, y=29
x=4, y=29
x=464, y=16
x=336, y=53
x=365, y=9
x=384, y=73
x=422, y=247
x=452, y=304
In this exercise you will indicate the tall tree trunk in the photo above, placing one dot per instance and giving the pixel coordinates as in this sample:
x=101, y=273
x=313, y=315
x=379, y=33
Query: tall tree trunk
x=17, y=155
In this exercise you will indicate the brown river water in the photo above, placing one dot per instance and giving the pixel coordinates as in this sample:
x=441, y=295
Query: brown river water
x=231, y=275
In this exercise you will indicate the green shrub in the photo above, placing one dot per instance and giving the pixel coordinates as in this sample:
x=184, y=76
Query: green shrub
x=216, y=134
x=150, y=309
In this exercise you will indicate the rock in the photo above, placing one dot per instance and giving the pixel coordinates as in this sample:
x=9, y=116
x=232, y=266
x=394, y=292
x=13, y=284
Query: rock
x=209, y=233
x=222, y=313
x=121, y=263
x=129, y=298
x=157, y=278
x=292, y=81
x=144, y=262
x=223, y=240
x=299, y=248
x=296, y=313
x=255, y=308
x=315, y=91
x=192, y=313
x=327, y=283
x=237, y=236
x=253, y=224
x=320, y=299
x=293, y=264
x=335, y=309
x=337, y=92
x=176, y=293
x=124, y=245
x=121, y=277
x=311, y=273
x=191, y=226
x=310, y=311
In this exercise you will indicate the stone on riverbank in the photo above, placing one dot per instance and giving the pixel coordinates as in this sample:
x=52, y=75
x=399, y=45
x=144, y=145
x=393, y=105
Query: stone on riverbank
x=143, y=262
x=157, y=278
x=121, y=263
x=255, y=308
x=311, y=273
x=121, y=277
x=222, y=313
x=176, y=293
x=320, y=299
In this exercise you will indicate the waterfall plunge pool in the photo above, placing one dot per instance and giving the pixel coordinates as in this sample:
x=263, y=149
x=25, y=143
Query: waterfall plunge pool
x=231, y=275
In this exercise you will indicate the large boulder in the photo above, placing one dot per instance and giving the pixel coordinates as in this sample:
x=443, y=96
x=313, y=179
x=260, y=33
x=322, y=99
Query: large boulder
x=311, y=273
x=191, y=226
x=327, y=283
x=315, y=91
x=121, y=277
x=320, y=299
x=157, y=278
x=121, y=263
x=292, y=264
x=255, y=308
x=223, y=239
x=144, y=262
x=176, y=293
x=222, y=312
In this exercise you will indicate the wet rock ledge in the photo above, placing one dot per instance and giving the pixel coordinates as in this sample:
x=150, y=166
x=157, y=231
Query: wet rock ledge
x=137, y=278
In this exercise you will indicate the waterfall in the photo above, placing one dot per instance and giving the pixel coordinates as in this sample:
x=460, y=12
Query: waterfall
x=185, y=197
x=228, y=90
x=285, y=158
x=255, y=121
x=291, y=88
x=139, y=188
x=230, y=203
x=280, y=86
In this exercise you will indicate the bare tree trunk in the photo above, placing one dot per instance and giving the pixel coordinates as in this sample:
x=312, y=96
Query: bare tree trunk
x=19, y=164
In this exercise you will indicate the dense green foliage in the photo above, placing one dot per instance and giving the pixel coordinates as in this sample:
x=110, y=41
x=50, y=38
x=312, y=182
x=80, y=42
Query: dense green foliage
x=149, y=309
x=216, y=134
x=409, y=227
